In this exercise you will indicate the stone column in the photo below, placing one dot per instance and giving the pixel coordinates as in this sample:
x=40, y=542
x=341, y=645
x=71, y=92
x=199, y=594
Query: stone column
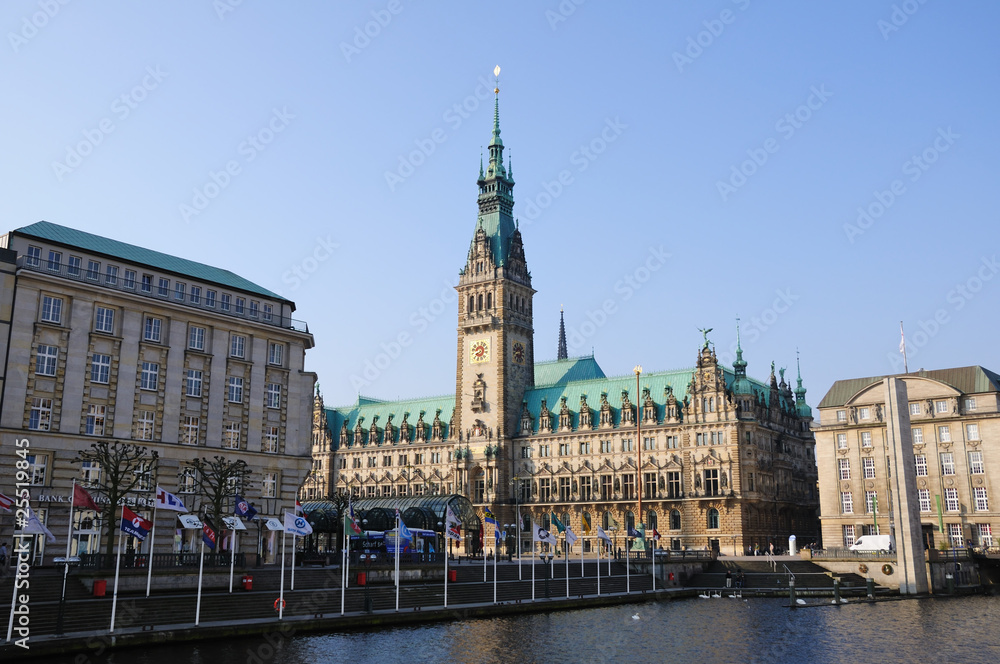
x=905, y=509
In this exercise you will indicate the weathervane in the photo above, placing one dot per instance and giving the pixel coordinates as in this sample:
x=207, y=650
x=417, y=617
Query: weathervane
x=496, y=74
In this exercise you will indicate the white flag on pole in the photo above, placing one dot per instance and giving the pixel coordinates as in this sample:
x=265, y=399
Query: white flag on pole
x=33, y=525
x=571, y=537
x=902, y=339
x=603, y=535
x=452, y=525
x=297, y=525
x=539, y=534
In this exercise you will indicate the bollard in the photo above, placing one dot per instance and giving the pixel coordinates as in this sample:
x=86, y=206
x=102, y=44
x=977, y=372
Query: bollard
x=836, y=591
x=791, y=592
x=949, y=580
x=870, y=583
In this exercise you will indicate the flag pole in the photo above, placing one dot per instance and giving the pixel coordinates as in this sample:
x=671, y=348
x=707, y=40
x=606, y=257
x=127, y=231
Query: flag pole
x=281, y=592
x=628, y=569
x=232, y=555
x=654, y=562
x=118, y=563
x=496, y=542
x=399, y=522
x=149, y=556
x=902, y=347
x=582, y=572
x=343, y=566
x=295, y=539
x=69, y=542
x=518, y=545
x=600, y=545
x=533, y=562
x=201, y=569
x=447, y=525
x=567, y=565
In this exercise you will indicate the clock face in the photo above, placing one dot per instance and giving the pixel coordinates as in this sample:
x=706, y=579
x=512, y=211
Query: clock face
x=479, y=351
x=518, y=351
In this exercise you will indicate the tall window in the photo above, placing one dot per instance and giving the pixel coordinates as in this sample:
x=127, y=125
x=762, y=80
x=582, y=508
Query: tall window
x=104, y=320
x=920, y=464
x=231, y=436
x=270, y=443
x=585, y=447
x=144, y=425
x=628, y=445
x=196, y=295
x=846, y=503
x=976, y=466
x=45, y=360
x=93, y=269
x=607, y=484
x=672, y=442
x=40, y=416
x=848, y=536
x=947, y=463
x=868, y=464
x=254, y=308
x=866, y=439
x=163, y=287
x=605, y=447
x=129, y=281
x=924, y=498
x=146, y=285
x=38, y=466
x=982, y=503
x=628, y=486
x=985, y=534
x=918, y=435
x=74, y=265
x=673, y=485
x=111, y=275
x=273, y=399
x=944, y=434
x=269, y=488
x=95, y=420
x=713, y=519
x=712, y=482
x=190, y=426
x=972, y=431
x=675, y=520
x=224, y=301
x=649, y=485
x=90, y=473
x=951, y=500
x=241, y=304
x=186, y=480
x=210, y=298
x=585, y=488
x=544, y=490
x=237, y=346
x=276, y=354
x=193, y=383
x=196, y=338
x=845, y=468
x=34, y=256
x=52, y=309
x=149, y=380
x=565, y=490
x=841, y=441
x=153, y=329
x=648, y=444
x=179, y=291
x=145, y=473
x=268, y=312
x=55, y=260
x=955, y=535
x=235, y=389
x=871, y=502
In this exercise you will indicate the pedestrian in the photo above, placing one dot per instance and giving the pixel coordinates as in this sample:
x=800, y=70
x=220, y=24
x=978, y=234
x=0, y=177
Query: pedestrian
x=729, y=578
x=3, y=559
x=741, y=580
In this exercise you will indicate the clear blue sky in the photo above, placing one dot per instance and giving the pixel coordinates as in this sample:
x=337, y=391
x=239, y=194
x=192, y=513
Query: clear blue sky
x=822, y=106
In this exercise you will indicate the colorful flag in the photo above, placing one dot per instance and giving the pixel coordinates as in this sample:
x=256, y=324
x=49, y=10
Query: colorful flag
x=208, y=534
x=297, y=525
x=499, y=535
x=298, y=506
x=452, y=525
x=404, y=532
x=632, y=532
x=571, y=537
x=539, y=534
x=489, y=518
x=656, y=534
x=135, y=525
x=6, y=502
x=243, y=508
x=585, y=521
x=603, y=535
x=354, y=521
x=83, y=500
x=902, y=339
x=32, y=525
x=557, y=523
x=168, y=501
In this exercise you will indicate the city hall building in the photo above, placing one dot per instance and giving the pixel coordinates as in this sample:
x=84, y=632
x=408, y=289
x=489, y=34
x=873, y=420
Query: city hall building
x=106, y=341
x=708, y=456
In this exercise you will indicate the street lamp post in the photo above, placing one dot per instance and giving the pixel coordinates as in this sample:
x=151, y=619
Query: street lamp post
x=367, y=558
x=516, y=483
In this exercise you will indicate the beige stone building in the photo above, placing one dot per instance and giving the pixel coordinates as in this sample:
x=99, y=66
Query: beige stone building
x=106, y=341
x=954, y=418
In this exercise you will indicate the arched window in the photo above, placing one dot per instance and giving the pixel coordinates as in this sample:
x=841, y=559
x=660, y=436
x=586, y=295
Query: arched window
x=544, y=523
x=489, y=300
x=651, y=521
x=675, y=520
x=586, y=523
x=479, y=302
x=606, y=521
x=565, y=519
x=472, y=303
x=713, y=519
x=629, y=521
x=526, y=526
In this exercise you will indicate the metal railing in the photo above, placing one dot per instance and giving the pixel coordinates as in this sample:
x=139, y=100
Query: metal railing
x=847, y=554
x=118, y=283
x=160, y=560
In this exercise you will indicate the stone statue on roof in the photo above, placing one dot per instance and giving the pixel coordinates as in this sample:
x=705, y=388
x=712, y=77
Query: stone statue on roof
x=704, y=333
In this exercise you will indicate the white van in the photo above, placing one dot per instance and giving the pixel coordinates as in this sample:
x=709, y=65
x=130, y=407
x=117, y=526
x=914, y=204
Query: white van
x=873, y=543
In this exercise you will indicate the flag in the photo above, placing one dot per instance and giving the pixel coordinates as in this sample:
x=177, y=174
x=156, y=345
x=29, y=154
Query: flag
x=632, y=532
x=571, y=537
x=208, y=534
x=539, y=534
x=499, y=535
x=298, y=506
x=83, y=500
x=489, y=518
x=902, y=339
x=585, y=520
x=32, y=525
x=404, y=532
x=297, y=525
x=168, y=501
x=557, y=523
x=656, y=535
x=134, y=525
x=6, y=502
x=452, y=525
x=243, y=508
x=603, y=535
x=354, y=521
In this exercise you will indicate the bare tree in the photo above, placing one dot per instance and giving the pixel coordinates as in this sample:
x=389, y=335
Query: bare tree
x=218, y=480
x=124, y=468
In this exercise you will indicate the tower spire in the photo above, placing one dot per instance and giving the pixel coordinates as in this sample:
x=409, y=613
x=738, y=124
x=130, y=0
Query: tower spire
x=740, y=364
x=801, y=406
x=561, y=353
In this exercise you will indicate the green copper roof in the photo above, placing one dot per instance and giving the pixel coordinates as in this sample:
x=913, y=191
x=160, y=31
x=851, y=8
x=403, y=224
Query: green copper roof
x=70, y=237
x=558, y=372
x=369, y=408
x=967, y=380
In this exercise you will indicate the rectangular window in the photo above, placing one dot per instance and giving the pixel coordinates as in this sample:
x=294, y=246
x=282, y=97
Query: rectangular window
x=268, y=312
x=179, y=291
x=193, y=383
x=585, y=447
x=699, y=439
x=955, y=535
x=100, y=368
x=95, y=420
x=129, y=281
x=254, y=308
x=269, y=488
x=196, y=295
x=712, y=482
x=649, y=485
x=845, y=468
x=585, y=488
x=93, y=269
x=270, y=442
x=544, y=490
x=970, y=403
x=55, y=260
x=976, y=466
x=210, y=298
x=74, y=265
x=648, y=444
x=46, y=360
x=52, y=309
x=564, y=449
x=273, y=395
x=153, y=330
x=918, y=436
x=276, y=354
x=947, y=463
x=673, y=485
x=866, y=439
x=985, y=534
x=982, y=502
x=750, y=482
x=871, y=502
x=147, y=283
x=941, y=406
x=868, y=464
x=144, y=425
x=224, y=301
x=846, y=503
x=235, y=389
x=972, y=431
x=104, y=320
x=924, y=498
x=841, y=441
x=186, y=480
x=628, y=487
x=944, y=434
x=951, y=500
x=241, y=304
x=231, y=436
x=607, y=490
x=841, y=415
x=672, y=442
x=196, y=338
x=190, y=429
x=848, y=536
x=163, y=287
x=863, y=413
x=605, y=447
x=564, y=489
x=90, y=473
x=237, y=346
x=150, y=378
x=40, y=417
x=525, y=452
x=34, y=256
x=111, y=275
x=914, y=409
x=38, y=466
x=920, y=464
x=628, y=445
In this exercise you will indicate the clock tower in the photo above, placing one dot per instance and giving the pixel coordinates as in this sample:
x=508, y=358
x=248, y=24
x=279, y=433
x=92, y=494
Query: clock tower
x=495, y=358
